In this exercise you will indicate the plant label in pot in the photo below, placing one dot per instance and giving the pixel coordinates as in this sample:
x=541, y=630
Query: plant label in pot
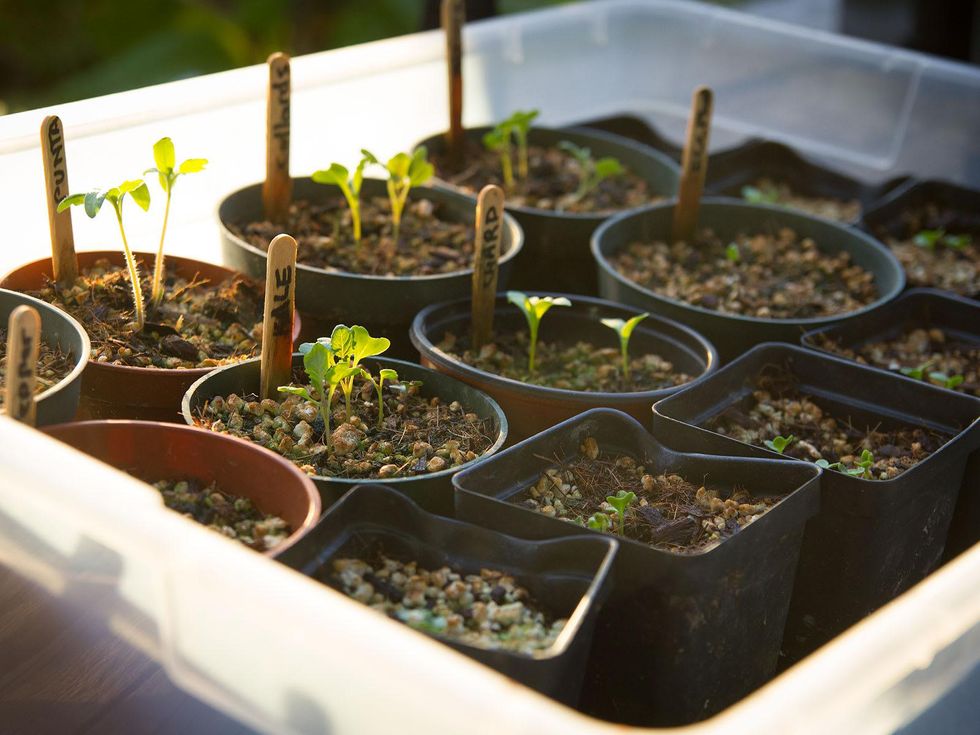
x=23, y=349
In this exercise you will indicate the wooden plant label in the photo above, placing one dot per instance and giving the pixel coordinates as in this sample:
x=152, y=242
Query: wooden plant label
x=453, y=18
x=23, y=347
x=277, y=190
x=277, y=325
x=489, y=235
x=63, y=258
x=694, y=166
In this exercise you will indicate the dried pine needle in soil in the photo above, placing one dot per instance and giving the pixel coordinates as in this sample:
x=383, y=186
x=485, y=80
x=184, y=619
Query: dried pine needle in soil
x=198, y=324
x=418, y=435
x=488, y=610
x=53, y=366
x=930, y=349
x=429, y=241
x=778, y=408
x=230, y=515
x=553, y=178
x=771, y=275
x=669, y=513
x=580, y=366
x=768, y=191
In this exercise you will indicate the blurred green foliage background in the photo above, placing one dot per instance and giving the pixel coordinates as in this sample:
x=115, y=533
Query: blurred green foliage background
x=62, y=50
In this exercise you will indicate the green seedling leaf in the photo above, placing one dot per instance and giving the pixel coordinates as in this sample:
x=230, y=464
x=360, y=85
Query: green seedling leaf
x=72, y=201
x=599, y=522
x=302, y=392
x=192, y=166
x=864, y=465
x=779, y=443
x=498, y=141
x=944, y=380
x=624, y=329
x=755, y=195
x=606, y=167
x=342, y=341
x=364, y=345
x=336, y=174
x=388, y=374
x=591, y=172
x=957, y=242
x=534, y=308
x=733, y=253
x=824, y=464
x=928, y=238
x=918, y=373
x=621, y=501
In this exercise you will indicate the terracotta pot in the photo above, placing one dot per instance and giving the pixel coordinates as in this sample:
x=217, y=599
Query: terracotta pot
x=157, y=451
x=121, y=391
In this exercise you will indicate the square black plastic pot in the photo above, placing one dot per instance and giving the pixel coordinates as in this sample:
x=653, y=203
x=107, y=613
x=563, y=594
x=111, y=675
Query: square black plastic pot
x=733, y=169
x=916, y=309
x=569, y=577
x=873, y=539
x=684, y=634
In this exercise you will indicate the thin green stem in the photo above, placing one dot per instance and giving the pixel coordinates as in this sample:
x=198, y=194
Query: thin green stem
x=624, y=348
x=532, y=348
x=134, y=276
x=507, y=166
x=381, y=404
x=522, y=154
x=156, y=293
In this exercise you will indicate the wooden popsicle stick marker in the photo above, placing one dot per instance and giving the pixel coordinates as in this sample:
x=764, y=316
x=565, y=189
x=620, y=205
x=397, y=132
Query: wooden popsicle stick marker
x=277, y=325
x=23, y=348
x=486, y=255
x=694, y=165
x=277, y=190
x=63, y=258
x=453, y=18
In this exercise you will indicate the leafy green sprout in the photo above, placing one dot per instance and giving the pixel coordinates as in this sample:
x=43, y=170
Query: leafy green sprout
x=167, y=172
x=946, y=381
x=732, y=252
x=92, y=202
x=520, y=125
x=864, y=465
x=599, y=522
x=918, y=373
x=498, y=141
x=621, y=501
x=763, y=195
x=534, y=308
x=404, y=171
x=824, y=464
x=625, y=329
x=778, y=444
x=349, y=185
x=592, y=172
x=931, y=238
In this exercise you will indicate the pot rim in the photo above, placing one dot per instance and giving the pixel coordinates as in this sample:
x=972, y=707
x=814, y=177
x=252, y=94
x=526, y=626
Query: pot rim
x=722, y=202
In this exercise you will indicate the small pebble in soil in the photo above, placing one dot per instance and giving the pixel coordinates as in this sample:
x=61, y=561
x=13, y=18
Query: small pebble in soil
x=488, y=610
x=53, y=366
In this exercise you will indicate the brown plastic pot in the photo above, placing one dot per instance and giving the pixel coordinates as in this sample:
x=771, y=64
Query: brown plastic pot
x=157, y=451
x=122, y=391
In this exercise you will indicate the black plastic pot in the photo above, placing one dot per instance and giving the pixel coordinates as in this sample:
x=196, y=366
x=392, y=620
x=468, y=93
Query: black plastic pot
x=635, y=128
x=534, y=408
x=915, y=309
x=58, y=403
x=872, y=539
x=384, y=305
x=730, y=170
x=684, y=635
x=733, y=334
x=432, y=491
x=568, y=577
x=556, y=257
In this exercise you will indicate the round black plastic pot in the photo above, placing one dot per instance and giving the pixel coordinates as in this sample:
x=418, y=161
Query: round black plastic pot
x=556, y=257
x=921, y=308
x=684, y=635
x=733, y=169
x=733, y=334
x=534, y=408
x=569, y=577
x=58, y=403
x=431, y=491
x=385, y=305
x=873, y=539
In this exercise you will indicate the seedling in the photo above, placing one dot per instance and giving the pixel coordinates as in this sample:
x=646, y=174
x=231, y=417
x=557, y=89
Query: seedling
x=918, y=373
x=498, y=140
x=946, y=381
x=350, y=186
x=621, y=501
x=624, y=329
x=864, y=465
x=404, y=172
x=824, y=464
x=931, y=238
x=167, y=171
x=516, y=127
x=733, y=253
x=92, y=201
x=521, y=126
x=534, y=308
x=779, y=443
x=591, y=172
x=325, y=376
x=760, y=195
x=599, y=522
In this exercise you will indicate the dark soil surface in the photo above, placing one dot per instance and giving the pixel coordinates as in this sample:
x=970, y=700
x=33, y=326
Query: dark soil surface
x=553, y=178
x=925, y=354
x=418, y=435
x=579, y=366
x=197, y=325
x=230, y=515
x=53, y=366
x=670, y=512
x=771, y=275
x=768, y=191
x=777, y=408
x=429, y=241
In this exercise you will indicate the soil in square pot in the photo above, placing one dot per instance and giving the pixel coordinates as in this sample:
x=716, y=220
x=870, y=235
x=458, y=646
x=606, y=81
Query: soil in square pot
x=63, y=356
x=426, y=479
x=563, y=580
x=574, y=349
x=933, y=227
x=114, y=383
x=767, y=172
x=556, y=257
x=212, y=465
x=383, y=301
x=930, y=335
x=686, y=632
x=768, y=288
x=873, y=538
